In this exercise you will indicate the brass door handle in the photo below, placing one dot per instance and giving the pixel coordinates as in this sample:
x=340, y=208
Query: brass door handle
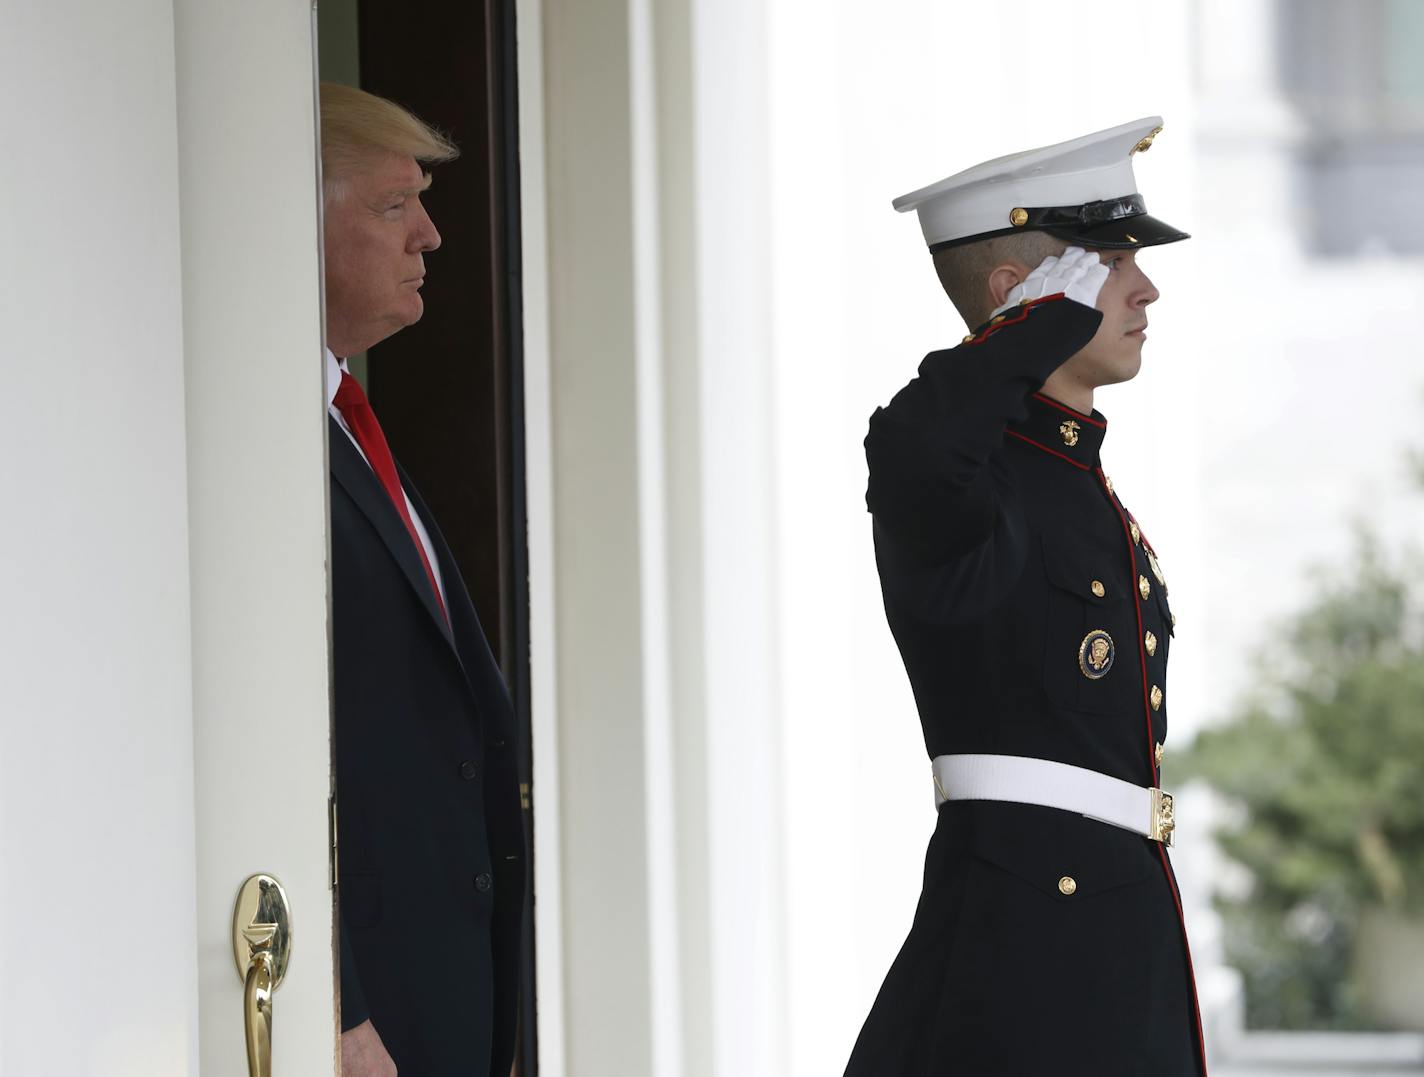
x=262, y=948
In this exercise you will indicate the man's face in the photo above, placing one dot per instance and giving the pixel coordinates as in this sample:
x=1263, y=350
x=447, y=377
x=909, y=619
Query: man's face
x=376, y=237
x=1115, y=352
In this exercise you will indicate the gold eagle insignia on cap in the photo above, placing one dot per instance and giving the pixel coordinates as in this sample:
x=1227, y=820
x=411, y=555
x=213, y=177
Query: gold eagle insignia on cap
x=1146, y=143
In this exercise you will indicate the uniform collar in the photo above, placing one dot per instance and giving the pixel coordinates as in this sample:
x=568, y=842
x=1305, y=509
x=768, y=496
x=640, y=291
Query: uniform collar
x=334, y=369
x=1061, y=431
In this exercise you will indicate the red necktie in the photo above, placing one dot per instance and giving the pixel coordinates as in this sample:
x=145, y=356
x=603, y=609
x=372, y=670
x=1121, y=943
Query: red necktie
x=356, y=410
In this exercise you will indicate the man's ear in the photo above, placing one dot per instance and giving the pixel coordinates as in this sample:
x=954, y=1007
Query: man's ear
x=1002, y=280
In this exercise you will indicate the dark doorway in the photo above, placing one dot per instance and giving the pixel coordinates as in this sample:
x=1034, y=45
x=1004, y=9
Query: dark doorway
x=450, y=389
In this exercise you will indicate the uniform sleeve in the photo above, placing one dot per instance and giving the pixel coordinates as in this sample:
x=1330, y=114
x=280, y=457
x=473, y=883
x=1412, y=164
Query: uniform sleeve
x=932, y=490
x=353, y=999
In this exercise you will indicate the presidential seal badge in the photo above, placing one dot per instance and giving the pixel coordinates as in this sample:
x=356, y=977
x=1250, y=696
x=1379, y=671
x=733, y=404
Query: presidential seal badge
x=1096, y=654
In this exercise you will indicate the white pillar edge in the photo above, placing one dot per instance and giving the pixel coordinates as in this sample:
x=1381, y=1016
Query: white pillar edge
x=548, y=914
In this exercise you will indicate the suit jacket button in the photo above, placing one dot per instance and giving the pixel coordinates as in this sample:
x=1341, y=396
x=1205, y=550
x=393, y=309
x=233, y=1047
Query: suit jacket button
x=484, y=882
x=468, y=770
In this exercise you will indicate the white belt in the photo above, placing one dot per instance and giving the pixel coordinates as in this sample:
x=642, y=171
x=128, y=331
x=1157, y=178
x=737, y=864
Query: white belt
x=1048, y=784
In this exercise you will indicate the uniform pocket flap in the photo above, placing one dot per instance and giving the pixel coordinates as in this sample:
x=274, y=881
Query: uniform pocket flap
x=1063, y=854
x=1073, y=571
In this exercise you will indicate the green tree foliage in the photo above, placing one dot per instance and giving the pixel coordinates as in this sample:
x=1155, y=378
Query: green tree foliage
x=1327, y=767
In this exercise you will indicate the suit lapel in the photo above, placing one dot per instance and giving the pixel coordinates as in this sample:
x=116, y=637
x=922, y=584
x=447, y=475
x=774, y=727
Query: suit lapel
x=471, y=646
x=361, y=484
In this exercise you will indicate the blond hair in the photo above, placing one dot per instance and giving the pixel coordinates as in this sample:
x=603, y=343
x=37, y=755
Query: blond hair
x=964, y=271
x=357, y=126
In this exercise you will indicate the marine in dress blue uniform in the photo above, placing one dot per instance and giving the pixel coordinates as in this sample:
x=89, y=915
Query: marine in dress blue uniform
x=1032, y=613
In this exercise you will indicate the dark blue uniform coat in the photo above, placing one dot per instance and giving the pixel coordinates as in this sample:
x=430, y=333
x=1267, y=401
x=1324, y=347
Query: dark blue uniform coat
x=431, y=845
x=1002, y=547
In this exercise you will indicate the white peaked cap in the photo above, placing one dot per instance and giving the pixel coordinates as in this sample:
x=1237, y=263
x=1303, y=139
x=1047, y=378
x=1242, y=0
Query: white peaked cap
x=1082, y=189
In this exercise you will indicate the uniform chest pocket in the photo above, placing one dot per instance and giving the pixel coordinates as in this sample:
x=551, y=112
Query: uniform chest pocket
x=1090, y=632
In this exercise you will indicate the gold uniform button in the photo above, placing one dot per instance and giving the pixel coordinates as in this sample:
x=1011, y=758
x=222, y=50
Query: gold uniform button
x=1025, y=301
x=1159, y=752
x=1136, y=532
x=1108, y=483
x=1099, y=589
x=1156, y=698
x=1156, y=567
x=1151, y=641
x=1018, y=217
x=1144, y=587
x=1174, y=620
x=967, y=339
x=1067, y=886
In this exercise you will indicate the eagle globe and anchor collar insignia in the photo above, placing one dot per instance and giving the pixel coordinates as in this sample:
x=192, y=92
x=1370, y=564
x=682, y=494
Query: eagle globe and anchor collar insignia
x=1096, y=654
x=1061, y=431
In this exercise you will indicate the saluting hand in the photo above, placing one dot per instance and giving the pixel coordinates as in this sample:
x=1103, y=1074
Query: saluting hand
x=1077, y=273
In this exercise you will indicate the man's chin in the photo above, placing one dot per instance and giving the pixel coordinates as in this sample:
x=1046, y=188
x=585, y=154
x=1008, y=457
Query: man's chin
x=1116, y=373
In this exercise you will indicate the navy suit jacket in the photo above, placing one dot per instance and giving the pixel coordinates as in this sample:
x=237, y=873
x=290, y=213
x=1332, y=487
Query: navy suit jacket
x=431, y=855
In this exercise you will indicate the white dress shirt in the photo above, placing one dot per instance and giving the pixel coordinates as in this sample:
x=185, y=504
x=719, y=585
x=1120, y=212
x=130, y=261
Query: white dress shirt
x=334, y=369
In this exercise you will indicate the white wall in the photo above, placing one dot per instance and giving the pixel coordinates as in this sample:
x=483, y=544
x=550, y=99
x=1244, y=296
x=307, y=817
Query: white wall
x=97, y=924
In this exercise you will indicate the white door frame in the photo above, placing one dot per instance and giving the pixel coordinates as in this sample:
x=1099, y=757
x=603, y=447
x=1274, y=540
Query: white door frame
x=257, y=489
x=163, y=648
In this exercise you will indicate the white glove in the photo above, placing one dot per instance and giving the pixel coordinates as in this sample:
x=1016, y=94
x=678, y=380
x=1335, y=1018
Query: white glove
x=1076, y=273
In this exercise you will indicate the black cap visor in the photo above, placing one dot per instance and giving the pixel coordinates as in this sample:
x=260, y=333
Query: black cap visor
x=1128, y=233
x=1111, y=224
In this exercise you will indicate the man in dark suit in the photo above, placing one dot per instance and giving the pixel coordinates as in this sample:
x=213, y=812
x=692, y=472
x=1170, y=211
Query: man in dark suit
x=431, y=850
x=1031, y=612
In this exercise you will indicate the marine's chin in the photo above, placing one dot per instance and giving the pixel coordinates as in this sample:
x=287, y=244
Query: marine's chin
x=1122, y=368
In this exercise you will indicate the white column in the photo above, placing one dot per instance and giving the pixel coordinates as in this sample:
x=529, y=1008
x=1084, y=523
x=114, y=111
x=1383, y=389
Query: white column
x=650, y=409
x=595, y=507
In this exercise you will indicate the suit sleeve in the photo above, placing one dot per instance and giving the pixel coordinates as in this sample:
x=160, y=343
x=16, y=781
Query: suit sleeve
x=353, y=999
x=932, y=489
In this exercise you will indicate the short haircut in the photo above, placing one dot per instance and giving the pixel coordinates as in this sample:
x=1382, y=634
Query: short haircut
x=357, y=126
x=964, y=270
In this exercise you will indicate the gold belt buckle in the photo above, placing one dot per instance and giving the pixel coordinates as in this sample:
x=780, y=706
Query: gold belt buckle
x=1164, y=820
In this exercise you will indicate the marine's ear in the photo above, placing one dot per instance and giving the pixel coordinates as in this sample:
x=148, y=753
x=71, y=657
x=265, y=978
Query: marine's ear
x=1003, y=278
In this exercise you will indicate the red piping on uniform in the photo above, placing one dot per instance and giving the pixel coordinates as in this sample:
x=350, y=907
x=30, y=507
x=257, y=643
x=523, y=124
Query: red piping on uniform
x=1187, y=947
x=1137, y=608
x=1023, y=313
x=1152, y=761
x=1069, y=411
x=1050, y=452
